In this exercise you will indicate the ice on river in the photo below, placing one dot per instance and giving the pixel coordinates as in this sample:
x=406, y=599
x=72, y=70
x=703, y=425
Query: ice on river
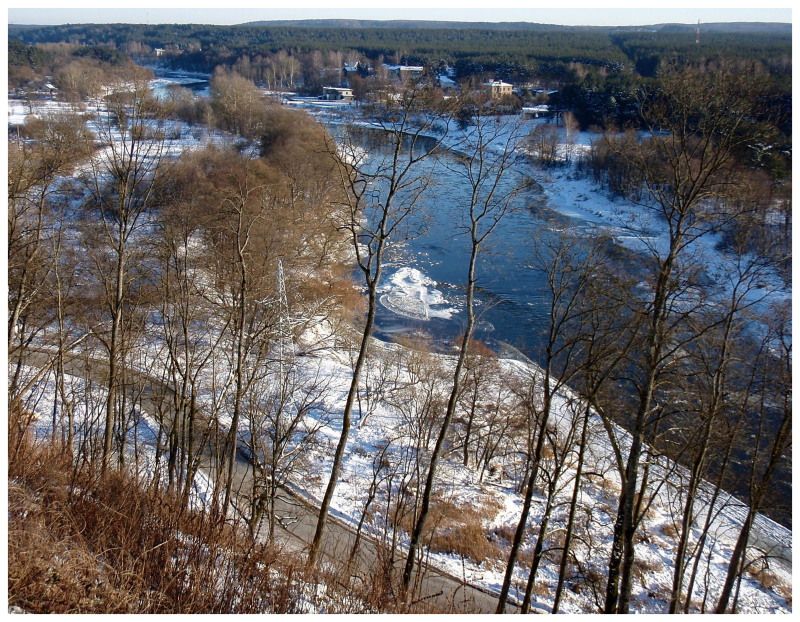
x=410, y=293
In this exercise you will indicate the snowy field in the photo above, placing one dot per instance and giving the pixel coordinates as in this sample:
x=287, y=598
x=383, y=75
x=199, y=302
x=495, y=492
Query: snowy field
x=178, y=136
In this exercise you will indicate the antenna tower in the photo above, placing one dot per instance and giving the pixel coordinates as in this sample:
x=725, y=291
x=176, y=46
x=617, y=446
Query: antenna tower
x=285, y=342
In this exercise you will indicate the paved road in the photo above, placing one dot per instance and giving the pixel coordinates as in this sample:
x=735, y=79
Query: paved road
x=436, y=591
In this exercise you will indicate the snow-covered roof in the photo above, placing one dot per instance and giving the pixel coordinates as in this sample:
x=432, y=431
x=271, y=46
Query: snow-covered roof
x=539, y=108
x=404, y=67
x=497, y=83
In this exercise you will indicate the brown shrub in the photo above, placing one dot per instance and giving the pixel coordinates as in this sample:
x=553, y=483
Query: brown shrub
x=670, y=529
x=451, y=528
x=641, y=568
x=785, y=592
x=108, y=545
x=764, y=576
x=469, y=540
x=506, y=532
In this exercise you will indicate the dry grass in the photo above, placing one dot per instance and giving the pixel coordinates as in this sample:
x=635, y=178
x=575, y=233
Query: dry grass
x=505, y=532
x=588, y=580
x=670, y=529
x=79, y=543
x=641, y=568
x=451, y=528
x=469, y=540
x=785, y=592
x=460, y=530
x=90, y=545
x=764, y=576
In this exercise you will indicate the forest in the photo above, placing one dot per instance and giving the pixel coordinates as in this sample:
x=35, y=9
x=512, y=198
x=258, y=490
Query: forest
x=202, y=414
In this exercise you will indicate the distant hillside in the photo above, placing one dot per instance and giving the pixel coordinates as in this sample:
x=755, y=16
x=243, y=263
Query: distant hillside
x=730, y=27
x=402, y=24
x=722, y=27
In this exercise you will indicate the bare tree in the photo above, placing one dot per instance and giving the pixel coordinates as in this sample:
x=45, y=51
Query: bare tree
x=698, y=123
x=566, y=273
x=489, y=153
x=381, y=195
x=121, y=182
x=37, y=190
x=770, y=448
x=716, y=353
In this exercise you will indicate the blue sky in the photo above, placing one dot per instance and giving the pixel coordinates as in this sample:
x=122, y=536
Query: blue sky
x=630, y=15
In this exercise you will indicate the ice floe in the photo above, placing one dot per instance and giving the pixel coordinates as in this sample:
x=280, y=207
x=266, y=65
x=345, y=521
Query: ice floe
x=410, y=293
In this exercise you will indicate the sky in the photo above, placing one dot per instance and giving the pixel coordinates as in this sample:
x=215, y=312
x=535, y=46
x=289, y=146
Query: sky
x=208, y=13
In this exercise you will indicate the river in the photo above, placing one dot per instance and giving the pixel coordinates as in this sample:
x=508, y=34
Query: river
x=422, y=291
x=422, y=294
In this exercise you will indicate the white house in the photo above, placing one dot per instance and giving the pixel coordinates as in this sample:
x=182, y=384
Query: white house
x=498, y=88
x=334, y=93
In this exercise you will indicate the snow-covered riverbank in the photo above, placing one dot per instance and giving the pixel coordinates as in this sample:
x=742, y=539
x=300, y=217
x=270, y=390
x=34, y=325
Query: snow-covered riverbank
x=381, y=458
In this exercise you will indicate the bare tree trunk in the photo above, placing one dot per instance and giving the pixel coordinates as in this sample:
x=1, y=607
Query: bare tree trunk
x=346, y=416
x=573, y=506
x=445, y=427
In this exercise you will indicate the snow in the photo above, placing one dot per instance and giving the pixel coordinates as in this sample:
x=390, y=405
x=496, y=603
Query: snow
x=410, y=293
x=19, y=110
x=641, y=230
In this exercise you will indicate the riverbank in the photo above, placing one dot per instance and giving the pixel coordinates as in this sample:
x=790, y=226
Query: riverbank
x=382, y=455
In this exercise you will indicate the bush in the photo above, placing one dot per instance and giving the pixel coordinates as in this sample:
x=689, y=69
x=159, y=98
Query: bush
x=85, y=544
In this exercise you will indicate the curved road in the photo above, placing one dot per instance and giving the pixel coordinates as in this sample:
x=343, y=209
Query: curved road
x=437, y=591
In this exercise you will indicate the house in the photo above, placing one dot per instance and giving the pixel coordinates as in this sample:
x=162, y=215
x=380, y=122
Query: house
x=159, y=51
x=534, y=112
x=497, y=88
x=334, y=93
x=404, y=72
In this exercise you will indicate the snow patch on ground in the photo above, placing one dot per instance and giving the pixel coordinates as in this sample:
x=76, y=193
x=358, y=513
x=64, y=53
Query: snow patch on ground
x=87, y=402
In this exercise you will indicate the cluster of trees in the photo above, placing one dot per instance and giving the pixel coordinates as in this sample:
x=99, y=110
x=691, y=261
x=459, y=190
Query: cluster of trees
x=76, y=71
x=140, y=250
x=195, y=242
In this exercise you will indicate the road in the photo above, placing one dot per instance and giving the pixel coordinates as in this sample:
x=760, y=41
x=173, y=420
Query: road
x=437, y=591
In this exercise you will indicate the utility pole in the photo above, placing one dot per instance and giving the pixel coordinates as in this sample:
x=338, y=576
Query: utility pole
x=285, y=341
